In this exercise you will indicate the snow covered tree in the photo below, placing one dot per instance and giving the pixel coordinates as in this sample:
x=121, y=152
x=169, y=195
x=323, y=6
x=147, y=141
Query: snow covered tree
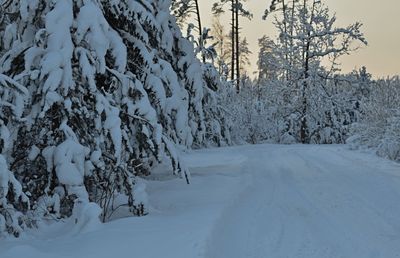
x=113, y=87
x=308, y=48
x=319, y=39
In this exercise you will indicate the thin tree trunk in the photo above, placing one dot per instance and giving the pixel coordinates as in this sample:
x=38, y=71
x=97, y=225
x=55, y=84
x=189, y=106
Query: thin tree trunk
x=291, y=62
x=233, y=40
x=285, y=37
x=200, y=27
x=237, y=48
x=304, y=128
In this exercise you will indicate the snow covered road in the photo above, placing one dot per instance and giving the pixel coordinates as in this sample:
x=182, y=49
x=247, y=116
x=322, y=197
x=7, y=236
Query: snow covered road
x=264, y=201
x=312, y=201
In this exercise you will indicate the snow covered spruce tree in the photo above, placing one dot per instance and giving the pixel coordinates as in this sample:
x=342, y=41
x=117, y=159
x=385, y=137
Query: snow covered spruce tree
x=113, y=87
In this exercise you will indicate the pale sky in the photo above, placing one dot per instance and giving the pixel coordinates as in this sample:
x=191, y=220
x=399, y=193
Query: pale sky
x=381, y=19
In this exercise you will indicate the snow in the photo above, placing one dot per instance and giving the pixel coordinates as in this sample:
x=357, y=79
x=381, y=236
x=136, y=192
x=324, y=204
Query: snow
x=6, y=82
x=4, y=178
x=48, y=153
x=7, y=179
x=45, y=202
x=58, y=24
x=86, y=216
x=33, y=153
x=69, y=160
x=4, y=135
x=92, y=25
x=113, y=125
x=250, y=201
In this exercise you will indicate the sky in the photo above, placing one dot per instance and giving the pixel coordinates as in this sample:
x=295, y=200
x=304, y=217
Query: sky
x=381, y=21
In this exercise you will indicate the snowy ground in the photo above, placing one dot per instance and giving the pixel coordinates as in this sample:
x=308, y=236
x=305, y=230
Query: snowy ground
x=250, y=201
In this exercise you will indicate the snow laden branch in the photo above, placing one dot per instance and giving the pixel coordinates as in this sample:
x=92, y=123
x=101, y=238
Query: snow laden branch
x=8, y=82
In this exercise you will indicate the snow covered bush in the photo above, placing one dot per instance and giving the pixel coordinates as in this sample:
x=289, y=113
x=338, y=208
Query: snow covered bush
x=112, y=88
x=379, y=127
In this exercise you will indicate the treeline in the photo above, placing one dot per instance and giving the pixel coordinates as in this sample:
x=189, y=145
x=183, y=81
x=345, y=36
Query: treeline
x=300, y=94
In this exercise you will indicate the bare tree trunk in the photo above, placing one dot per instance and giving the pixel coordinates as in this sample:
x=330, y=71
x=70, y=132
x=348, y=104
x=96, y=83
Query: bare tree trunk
x=237, y=48
x=233, y=40
x=200, y=27
x=304, y=127
x=285, y=38
x=291, y=62
x=304, y=134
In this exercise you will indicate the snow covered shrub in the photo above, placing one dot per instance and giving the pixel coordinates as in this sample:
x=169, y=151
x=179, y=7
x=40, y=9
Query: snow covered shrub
x=379, y=127
x=112, y=88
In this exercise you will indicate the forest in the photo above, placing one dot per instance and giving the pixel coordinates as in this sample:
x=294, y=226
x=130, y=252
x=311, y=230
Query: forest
x=97, y=97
